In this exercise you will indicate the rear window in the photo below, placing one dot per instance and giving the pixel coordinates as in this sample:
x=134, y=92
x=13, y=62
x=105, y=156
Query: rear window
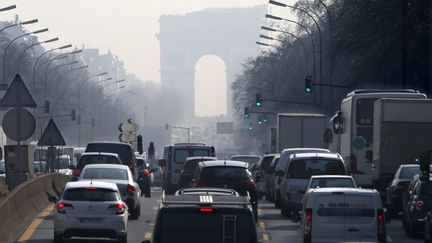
x=194, y=227
x=305, y=168
x=345, y=206
x=180, y=155
x=82, y=194
x=265, y=164
x=225, y=173
x=407, y=173
x=105, y=173
x=97, y=159
x=332, y=182
x=124, y=151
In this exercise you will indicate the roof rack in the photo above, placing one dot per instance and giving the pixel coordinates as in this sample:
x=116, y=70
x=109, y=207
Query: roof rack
x=207, y=191
x=366, y=91
x=205, y=200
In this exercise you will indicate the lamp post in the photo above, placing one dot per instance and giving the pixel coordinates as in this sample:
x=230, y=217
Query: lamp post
x=7, y=8
x=31, y=46
x=265, y=44
x=20, y=23
x=114, y=82
x=46, y=52
x=4, y=85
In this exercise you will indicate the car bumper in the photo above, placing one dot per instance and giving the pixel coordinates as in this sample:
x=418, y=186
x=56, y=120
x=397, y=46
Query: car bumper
x=109, y=227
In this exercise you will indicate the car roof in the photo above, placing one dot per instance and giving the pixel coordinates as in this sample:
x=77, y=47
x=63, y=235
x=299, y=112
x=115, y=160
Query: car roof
x=245, y=156
x=270, y=155
x=111, y=166
x=410, y=165
x=331, y=176
x=230, y=163
x=200, y=157
x=99, y=153
x=109, y=142
x=303, y=149
x=316, y=155
x=329, y=190
x=91, y=183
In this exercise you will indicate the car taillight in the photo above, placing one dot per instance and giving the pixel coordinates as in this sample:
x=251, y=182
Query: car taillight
x=206, y=210
x=381, y=226
x=419, y=205
x=199, y=183
x=130, y=188
x=307, y=227
x=145, y=173
x=61, y=207
x=119, y=208
x=250, y=185
x=77, y=172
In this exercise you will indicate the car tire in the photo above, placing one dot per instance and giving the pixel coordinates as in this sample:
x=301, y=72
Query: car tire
x=58, y=238
x=122, y=239
x=278, y=201
x=136, y=212
x=148, y=194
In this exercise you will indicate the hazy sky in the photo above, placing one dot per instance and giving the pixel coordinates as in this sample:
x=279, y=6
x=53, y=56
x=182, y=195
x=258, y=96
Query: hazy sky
x=127, y=27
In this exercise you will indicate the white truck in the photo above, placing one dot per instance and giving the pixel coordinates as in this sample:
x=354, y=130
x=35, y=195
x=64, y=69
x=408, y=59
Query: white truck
x=300, y=130
x=356, y=133
x=402, y=131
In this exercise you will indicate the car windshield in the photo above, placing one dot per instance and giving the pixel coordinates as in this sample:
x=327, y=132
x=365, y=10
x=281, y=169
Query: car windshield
x=407, y=173
x=97, y=159
x=331, y=182
x=305, y=168
x=224, y=173
x=180, y=155
x=90, y=194
x=105, y=173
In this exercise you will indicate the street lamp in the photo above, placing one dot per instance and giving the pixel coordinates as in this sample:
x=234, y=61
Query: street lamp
x=265, y=44
x=8, y=8
x=3, y=86
x=114, y=82
x=31, y=46
x=46, y=52
x=20, y=23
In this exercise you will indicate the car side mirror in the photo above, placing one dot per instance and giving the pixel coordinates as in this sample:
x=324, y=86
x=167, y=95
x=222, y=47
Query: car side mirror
x=162, y=163
x=52, y=199
x=71, y=167
x=338, y=123
x=279, y=173
x=369, y=156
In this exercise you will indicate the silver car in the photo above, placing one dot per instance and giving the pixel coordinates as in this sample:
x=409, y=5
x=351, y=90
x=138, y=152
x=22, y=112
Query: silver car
x=90, y=209
x=120, y=175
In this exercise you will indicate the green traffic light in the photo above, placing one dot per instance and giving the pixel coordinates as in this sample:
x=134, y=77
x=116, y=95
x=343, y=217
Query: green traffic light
x=308, y=90
x=250, y=128
x=258, y=104
x=246, y=115
x=265, y=120
x=260, y=122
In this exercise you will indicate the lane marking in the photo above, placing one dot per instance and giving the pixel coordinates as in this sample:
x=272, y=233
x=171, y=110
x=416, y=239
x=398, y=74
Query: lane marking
x=148, y=235
x=40, y=217
x=265, y=237
x=261, y=224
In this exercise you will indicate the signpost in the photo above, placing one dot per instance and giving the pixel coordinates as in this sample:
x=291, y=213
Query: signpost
x=51, y=137
x=128, y=133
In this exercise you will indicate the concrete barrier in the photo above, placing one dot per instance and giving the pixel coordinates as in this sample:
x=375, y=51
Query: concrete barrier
x=3, y=186
x=25, y=201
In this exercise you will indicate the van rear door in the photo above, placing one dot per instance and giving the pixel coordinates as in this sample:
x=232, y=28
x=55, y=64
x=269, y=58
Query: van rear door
x=327, y=222
x=360, y=220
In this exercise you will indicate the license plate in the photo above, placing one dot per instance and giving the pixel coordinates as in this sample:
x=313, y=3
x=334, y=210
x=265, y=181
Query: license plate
x=90, y=220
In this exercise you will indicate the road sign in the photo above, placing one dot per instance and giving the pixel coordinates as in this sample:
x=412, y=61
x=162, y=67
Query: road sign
x=225, y=127
x=128, y=127
x=127, y=137
x=51, y=136
x=17, y=95
x=19, y=124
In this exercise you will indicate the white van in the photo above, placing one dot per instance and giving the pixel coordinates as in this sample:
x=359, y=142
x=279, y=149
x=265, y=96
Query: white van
x=343, y=215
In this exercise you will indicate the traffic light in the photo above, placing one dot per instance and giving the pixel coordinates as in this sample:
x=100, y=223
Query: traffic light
x=308, y=84
x=246, y=112
x=265, y=120
x=47, y=107
x=73, y=115
x=140, y=144
x=151, y=151
x=258, y=100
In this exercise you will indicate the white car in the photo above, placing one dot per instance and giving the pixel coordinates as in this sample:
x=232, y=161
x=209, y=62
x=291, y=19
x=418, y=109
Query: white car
x=90, y=209
x=343, y=215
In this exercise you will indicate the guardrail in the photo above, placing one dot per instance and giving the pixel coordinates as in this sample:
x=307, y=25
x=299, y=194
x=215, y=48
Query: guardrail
x=21, y=205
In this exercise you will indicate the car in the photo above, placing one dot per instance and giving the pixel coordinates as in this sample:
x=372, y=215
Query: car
x=228, y=174
x=93, y=158
x=174, y=158
x=63, y=164
x=281, y=167
x=144, y=176
x=271, y=180
x=90, y=209
x=301, y=167
x=416, y=205
x=195, y=216
x=324, y=181
x=39, y=168
x=187, y=172
x=120, y=175
x=343, y=215
x=124, y=150
x=398, y=187
x=251, y=159
x=263, y=173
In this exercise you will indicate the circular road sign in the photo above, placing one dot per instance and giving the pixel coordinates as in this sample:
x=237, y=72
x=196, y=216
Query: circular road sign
x=22, y=130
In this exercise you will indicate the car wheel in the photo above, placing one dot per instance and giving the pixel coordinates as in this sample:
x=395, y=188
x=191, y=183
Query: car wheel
x=122, y=239
x=278, y=201
x=136, y=212
x=147, y=192
x=58, y=238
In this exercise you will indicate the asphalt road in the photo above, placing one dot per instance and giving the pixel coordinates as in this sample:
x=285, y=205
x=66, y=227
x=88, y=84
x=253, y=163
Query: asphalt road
x=272, y=228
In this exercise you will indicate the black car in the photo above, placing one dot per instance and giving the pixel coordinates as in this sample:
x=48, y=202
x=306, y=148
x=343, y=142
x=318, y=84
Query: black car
x=271, y=180
x=187, y=173
x=228, y=174
x=398, y=188
x=201, y=216
x=143, y=176
x=263, y=173
x=416, y=205
x=93, y=158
